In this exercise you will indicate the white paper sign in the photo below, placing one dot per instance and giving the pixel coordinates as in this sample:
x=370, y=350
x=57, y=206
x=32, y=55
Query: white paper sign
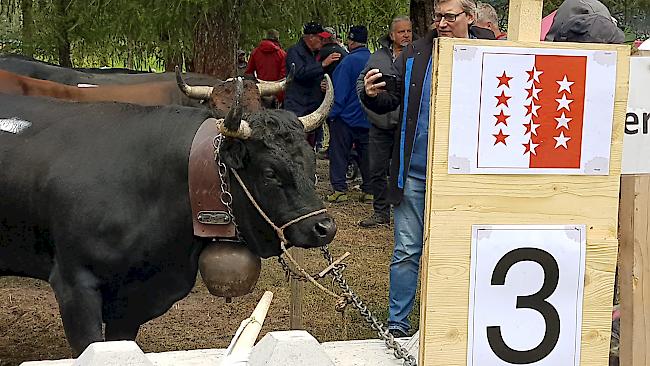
x=636, y=142
x=531, y=111
x=526, y=291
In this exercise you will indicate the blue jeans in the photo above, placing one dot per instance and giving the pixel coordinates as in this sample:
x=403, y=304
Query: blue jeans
x=405, y=264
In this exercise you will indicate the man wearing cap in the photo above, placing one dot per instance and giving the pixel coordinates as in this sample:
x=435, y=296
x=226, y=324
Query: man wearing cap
x=267, y=61
x=330, y=46
x=304, y=94
x=348, y=122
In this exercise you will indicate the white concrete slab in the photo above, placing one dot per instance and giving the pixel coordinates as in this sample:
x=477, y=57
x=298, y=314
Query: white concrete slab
x=371, y=352
x=289, y=348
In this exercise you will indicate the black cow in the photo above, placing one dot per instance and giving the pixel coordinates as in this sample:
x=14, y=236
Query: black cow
x=95, y=201
x=45, y=71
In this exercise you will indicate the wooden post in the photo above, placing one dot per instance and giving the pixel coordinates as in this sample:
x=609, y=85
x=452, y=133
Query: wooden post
x=297, y=290
x=634, y=270
x=634, y=232
x=525, y=20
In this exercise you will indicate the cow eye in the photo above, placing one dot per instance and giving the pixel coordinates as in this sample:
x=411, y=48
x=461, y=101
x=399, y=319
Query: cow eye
x=269, y=173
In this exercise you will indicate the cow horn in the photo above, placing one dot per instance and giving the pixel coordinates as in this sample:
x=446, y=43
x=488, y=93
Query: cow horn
x=268, y=88
x=194, y=92
x=233, y=125
x=313, y=120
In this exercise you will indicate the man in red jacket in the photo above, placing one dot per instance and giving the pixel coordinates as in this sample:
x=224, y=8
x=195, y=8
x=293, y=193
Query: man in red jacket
x=267, y=61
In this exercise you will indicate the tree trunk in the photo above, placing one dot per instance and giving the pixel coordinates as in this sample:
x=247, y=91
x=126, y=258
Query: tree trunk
x=28, y=28
x=63, y=39
x=421, y=16
x=216, y=40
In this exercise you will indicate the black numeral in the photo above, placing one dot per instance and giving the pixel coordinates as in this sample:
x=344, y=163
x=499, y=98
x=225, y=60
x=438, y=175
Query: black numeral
x=536, y=302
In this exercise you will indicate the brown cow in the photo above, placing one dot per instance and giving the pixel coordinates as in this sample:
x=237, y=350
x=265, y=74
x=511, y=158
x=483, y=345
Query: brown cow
x=220, y=96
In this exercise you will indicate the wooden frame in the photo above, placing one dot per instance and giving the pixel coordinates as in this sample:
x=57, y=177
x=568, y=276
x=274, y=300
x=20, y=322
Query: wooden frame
x=455, y=202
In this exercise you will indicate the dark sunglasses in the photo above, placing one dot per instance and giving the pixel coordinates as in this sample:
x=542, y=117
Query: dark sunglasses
x=449, y=17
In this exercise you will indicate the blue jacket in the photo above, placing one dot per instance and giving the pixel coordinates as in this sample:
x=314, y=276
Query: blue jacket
x=347, y=106
x=303, y=95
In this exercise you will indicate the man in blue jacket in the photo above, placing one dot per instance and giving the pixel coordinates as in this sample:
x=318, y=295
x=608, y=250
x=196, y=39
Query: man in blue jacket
x=348, y=122
x=304, y=94
x=406, y=187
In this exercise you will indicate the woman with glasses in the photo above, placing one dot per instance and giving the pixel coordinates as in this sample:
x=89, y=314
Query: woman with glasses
x=406, y=188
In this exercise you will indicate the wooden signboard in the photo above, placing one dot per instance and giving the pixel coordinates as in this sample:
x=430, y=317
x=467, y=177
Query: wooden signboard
x=504, y=281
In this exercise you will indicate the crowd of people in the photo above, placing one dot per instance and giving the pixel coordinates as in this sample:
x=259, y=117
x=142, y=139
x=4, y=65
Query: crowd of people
x=381, y=112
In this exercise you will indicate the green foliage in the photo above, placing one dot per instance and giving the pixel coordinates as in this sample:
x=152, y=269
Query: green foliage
x=135, y=32
x=145, y=33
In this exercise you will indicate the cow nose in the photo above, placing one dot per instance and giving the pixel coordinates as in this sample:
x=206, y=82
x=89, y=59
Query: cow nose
x=325, y=230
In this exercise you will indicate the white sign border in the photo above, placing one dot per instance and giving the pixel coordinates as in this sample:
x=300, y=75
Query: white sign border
x=476, y=228
x=462, y=156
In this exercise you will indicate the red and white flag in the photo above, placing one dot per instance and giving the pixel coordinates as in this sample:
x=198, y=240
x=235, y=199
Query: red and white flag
x=531, y=111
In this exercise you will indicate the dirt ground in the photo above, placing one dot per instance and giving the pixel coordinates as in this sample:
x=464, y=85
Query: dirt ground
x=31, y=328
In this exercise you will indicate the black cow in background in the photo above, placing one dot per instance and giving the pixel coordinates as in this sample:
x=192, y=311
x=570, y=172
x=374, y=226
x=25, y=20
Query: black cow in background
x=95, y=201
x=45, y=71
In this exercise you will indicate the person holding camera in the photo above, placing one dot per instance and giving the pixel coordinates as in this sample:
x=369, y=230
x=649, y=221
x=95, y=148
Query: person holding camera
x=348, y=122
x=382, y=127
x=406, y=187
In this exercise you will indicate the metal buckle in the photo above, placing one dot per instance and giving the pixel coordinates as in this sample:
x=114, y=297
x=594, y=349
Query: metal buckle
x=214, y=217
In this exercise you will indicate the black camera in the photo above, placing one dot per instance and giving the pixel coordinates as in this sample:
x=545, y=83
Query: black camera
x=391, y=82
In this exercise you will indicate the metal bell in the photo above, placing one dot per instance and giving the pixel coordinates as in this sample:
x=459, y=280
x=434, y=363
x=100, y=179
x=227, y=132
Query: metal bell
x=229, y=269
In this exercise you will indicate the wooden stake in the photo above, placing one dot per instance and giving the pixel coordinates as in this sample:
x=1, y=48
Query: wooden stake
x=297, y=290
x=249, y=335
x=525, y=20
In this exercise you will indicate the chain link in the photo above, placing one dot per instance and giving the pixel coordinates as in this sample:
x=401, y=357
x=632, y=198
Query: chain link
x=226, y=196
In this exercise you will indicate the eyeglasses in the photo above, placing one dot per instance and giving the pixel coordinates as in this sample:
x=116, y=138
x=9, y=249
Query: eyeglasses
x=449, y=17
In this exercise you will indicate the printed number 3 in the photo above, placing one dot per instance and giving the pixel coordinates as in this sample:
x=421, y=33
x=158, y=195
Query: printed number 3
x=536, y=302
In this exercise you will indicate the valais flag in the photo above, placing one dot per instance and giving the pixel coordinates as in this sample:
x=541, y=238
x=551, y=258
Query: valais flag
x=531, y=111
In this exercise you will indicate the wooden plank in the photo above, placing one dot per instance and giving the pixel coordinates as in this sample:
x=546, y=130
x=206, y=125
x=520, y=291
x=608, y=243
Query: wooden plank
x=634, y=270
x=525, y=20
x=297, y=291
x=458, y=201
x=626, y=267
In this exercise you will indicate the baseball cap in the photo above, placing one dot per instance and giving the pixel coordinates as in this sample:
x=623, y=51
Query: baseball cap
x=330, y=30
x=315, y=28
x=358, y=33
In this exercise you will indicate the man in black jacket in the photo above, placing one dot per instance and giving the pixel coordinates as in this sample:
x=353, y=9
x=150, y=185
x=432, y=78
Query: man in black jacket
x=382, y=127
x=406, y=188
x=304, y=94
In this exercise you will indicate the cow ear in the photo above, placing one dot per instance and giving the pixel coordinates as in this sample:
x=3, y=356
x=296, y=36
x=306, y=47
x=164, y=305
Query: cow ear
x=233, y=153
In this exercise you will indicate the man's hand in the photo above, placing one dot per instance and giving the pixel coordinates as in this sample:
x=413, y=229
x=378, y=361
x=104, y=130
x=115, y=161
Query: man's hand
x=373, y=89
x=333, y=57
x=323, y=85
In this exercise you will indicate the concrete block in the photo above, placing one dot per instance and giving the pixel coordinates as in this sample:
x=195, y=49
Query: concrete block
x=289, y=348
x=118, y=353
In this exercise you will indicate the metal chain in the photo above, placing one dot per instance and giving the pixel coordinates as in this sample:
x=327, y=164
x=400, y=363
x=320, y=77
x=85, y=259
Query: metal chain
x=226, y=196
x=352, y=298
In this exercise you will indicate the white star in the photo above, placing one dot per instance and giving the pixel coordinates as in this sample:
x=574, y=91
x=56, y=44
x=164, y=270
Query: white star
x=565, y=85
x=564, y=103
x=534, y=74
x=534, y=108
x=561, y=140
x=563, y=121
x=536, y=92
x=533, y=128
x=533, y=146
